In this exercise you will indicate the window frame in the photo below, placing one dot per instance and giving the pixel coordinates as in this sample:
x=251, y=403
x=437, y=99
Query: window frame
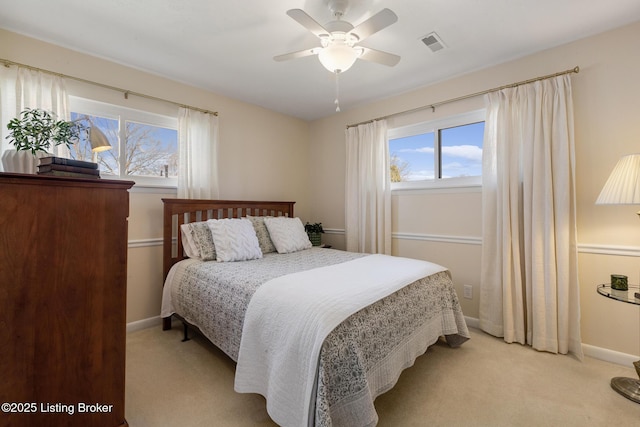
x=434, y=126
x=124, y=114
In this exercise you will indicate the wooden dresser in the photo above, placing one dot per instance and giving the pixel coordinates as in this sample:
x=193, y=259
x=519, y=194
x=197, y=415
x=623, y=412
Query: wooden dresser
x=63, y=274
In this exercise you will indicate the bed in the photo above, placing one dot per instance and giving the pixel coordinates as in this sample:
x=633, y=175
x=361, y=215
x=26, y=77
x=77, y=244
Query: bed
x=319, y=332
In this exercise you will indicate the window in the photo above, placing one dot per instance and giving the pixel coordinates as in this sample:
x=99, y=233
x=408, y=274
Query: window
x=442, y=153
x=144, y=145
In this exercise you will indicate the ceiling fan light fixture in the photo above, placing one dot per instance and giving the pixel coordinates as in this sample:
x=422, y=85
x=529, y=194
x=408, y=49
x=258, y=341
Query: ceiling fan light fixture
x=338, y=49
x=338, y=57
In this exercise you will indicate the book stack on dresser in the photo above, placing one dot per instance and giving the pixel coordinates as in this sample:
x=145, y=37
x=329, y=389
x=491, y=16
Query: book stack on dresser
x=59, y=166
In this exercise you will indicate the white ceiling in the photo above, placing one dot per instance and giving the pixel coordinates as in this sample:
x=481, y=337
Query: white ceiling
x=227, y=46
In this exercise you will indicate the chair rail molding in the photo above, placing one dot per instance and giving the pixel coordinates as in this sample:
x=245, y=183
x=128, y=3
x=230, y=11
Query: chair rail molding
x=585, y=248
x=618, y=250
x=465, y=240
x=143, y=243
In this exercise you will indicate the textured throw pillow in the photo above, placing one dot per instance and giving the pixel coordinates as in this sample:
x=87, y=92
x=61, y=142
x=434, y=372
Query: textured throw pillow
x=287, y=234
x=264, y=240
x=235, y=239
x=201, y=235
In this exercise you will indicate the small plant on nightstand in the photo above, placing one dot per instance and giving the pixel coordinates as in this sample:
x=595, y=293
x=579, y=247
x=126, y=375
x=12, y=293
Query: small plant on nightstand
x=314, y=231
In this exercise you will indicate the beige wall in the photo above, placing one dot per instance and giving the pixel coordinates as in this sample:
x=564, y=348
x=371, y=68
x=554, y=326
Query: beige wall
x=259, y=160
x=607, y=107
x=260, y=151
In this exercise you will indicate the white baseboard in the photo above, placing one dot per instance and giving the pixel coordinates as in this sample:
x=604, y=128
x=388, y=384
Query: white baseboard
x=472, y=322
x=600, y=353
x=144, y=324
x=605, y=354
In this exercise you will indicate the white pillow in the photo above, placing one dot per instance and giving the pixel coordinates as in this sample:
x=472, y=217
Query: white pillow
x=234, y=239
x=287, y=234
x=189, y=246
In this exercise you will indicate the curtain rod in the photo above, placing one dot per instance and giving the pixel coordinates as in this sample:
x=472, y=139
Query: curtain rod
x=8, y=63
x=473, y=95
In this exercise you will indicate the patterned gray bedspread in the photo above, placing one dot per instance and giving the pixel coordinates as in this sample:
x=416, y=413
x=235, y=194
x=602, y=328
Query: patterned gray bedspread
x=370, y=348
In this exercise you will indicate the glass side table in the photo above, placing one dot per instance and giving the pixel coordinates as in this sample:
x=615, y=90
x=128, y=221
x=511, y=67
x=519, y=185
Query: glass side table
x=628, y=387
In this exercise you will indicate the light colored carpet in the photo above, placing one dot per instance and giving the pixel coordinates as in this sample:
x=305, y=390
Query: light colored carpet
x=486, y=382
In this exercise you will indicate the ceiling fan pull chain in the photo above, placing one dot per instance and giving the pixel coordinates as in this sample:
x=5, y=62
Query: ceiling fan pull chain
x=337, y=101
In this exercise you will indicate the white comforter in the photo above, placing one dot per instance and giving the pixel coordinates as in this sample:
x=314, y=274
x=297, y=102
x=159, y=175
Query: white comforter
x=281, y=340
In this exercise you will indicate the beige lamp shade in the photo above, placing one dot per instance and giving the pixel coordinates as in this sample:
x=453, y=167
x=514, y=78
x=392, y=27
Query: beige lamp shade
x=99, y=141
x=623, y=185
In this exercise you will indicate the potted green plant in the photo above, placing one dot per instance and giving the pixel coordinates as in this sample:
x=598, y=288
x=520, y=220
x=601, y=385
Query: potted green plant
x=314, y=231
x=32, y=134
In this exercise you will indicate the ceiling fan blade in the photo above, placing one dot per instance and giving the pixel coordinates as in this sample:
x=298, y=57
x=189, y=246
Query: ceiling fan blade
x=379, y=56
x=377, y=22
x=308, y=22
x=295, y=55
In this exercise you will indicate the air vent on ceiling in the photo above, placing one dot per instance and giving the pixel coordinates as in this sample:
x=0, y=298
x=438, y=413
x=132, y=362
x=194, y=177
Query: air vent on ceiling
x=433, y=42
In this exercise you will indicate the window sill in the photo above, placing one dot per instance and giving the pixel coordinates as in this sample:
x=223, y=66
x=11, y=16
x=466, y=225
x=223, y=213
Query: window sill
x=435, y=190
x=159, y=189
x=450, y=185
x=148, y=184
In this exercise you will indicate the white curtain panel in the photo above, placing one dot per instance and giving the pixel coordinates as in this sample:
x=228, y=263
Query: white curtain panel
x=35, y=89
x=198, y=142
x=8, y=77
x=22, y=88
x=368, y=192
x=529, y=280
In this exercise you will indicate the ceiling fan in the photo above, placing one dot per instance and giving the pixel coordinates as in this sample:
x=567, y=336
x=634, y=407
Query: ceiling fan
x=339, y=40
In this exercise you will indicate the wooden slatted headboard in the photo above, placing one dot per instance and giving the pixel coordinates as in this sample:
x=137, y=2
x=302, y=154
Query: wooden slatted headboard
x=184, y=211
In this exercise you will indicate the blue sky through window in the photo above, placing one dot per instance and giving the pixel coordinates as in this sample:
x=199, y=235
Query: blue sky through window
x=461, y=149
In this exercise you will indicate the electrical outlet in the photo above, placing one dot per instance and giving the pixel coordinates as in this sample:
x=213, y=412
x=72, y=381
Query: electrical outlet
x=468, y=291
